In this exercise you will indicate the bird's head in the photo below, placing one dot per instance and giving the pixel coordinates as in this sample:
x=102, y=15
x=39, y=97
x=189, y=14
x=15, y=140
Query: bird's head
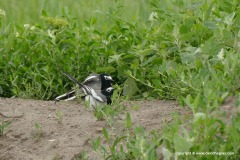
x=106, y=77
x=108, y=92
x=106, y=81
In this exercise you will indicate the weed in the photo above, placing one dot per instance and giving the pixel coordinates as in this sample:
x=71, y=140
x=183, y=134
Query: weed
x=59, y=116
x=98, y=112
x=137, y=145
x=110, y=112
x=38, y=132
x=4, y=126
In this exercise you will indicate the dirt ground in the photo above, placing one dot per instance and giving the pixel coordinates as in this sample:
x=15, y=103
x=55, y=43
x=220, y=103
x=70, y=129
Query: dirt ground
x=21, y=141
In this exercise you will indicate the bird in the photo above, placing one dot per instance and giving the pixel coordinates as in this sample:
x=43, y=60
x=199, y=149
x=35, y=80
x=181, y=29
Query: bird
x=97, y=89
x=97, y=97
x=94, y=81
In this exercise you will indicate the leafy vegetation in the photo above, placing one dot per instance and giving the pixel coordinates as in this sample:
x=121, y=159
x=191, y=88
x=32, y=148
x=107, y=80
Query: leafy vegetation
x=30, y=11
x=185, y=50
x=126, y=146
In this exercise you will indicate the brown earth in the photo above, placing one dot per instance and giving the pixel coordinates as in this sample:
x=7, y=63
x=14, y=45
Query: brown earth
x=22, y=141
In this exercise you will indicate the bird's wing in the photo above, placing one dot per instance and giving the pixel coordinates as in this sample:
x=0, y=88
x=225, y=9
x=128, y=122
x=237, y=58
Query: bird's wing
x=93, y=81
x=98, y=95
x=96, y=85
x=92, y=77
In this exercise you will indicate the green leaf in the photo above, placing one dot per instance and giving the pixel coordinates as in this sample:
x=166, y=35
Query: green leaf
x=128, y=120
x=197, y=100
x=130, y=87
x=105, y=133
x=44, y=13
x=224, y=96
x=38, y=125
x=209, y=10
x=199, y=117
x=166, y=154
x=176, y=31
x=181, y=144
x=212, y=46
x=96, y=143
x=229, y=18
x=188, y=101
x=116, y=141
x=4, y=126
x=145, y=94
x=1, y=90
x=186, y=27
x=210, y=25
x=107, y=69
x=114, y=58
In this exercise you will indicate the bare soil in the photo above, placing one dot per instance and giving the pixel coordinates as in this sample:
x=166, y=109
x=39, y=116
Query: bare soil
x=23, y=141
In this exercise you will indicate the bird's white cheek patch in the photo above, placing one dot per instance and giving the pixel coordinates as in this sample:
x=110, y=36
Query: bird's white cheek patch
x=108, y=77
x=109, y=89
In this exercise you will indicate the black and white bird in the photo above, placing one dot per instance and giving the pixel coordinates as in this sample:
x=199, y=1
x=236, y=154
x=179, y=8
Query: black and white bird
x=97, y=97
x=97, y=89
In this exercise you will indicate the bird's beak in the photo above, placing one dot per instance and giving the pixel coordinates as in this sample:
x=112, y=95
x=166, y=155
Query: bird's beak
x=112, y=81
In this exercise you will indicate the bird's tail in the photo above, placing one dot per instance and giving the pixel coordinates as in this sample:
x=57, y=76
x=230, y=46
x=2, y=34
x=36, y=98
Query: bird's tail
x=73, y=79
x=67, y=96
x=84, y=87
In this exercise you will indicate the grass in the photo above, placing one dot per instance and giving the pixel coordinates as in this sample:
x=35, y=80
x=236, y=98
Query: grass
x=29, y=12
x=183, y=50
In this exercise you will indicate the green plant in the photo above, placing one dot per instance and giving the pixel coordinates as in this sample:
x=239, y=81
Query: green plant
x=4, y=125
x=59, y=116
x=38, y=132
x=128, y=144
